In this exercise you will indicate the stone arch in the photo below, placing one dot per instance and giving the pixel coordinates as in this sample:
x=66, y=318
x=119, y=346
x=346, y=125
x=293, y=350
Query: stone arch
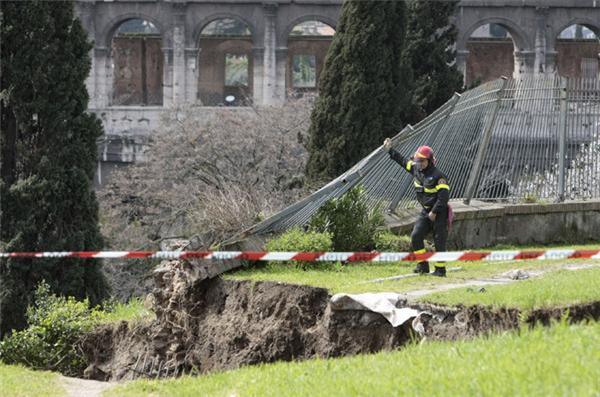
x=520, y=38
x=575, y=58
x=137, y=71
x=513, y=60
x=594, y=26
x=225, y=63
x=111, y=28
x=285, y=33
x=224, y=15
x=305, y=57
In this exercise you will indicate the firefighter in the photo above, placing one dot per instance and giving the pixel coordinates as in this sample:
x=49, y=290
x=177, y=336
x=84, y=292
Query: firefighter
x=433, y=192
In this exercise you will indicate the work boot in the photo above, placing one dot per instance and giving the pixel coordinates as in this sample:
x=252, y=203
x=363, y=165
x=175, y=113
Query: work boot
x=439, y=271
x=422, y=268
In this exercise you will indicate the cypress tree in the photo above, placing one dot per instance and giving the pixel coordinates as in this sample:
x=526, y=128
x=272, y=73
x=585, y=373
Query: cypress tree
x=48, y=149
x=430, y=50
x=364, y=89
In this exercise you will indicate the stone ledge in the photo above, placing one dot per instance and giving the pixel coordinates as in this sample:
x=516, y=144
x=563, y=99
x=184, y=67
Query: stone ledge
x=483, y=224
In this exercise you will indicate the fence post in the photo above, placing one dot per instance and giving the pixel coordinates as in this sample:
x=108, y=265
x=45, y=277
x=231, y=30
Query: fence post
x=562, y=140
x=483, y=146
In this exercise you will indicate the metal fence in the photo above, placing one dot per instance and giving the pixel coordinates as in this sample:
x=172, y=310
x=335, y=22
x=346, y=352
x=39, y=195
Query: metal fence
x=532, y=139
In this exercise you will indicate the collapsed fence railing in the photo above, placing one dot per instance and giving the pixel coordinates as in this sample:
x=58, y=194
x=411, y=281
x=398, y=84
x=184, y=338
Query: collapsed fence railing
x=373, y=256
x=529, y=139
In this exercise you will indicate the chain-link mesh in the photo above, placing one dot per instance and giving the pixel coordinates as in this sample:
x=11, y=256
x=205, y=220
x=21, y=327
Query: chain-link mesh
x=499, y=141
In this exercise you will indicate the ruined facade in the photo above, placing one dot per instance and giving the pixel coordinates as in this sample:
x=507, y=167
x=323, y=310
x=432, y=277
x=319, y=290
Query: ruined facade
x=150, y=55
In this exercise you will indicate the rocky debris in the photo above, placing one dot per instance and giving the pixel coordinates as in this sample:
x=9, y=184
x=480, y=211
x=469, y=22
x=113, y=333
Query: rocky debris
x=516, y=274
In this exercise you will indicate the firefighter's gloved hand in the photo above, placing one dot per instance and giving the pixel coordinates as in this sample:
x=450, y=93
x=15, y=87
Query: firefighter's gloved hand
x=387, y=144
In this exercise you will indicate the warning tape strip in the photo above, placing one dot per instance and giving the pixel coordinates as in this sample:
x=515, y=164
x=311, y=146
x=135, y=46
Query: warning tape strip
x=458, y=256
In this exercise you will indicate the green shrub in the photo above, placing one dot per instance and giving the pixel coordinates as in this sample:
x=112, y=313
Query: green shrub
x=55, y=325
x=297, y=240
x=352, y=225
x=387, y=241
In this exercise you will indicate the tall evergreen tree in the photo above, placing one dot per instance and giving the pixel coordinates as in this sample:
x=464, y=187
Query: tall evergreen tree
x=430, y=49
x=48, y=156
x=364, y=87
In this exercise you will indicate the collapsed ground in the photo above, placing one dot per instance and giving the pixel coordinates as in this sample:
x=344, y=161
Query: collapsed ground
x=248, y=318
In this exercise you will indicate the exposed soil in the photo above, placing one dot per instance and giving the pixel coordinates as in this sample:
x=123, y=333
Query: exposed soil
x=206, y=325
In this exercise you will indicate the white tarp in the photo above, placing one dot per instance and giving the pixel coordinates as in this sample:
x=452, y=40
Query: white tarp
x=383, y=303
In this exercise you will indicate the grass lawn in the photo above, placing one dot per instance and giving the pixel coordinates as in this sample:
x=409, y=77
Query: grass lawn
x=560, y=360
x=16, y=381
x=562, y=287
x=133, y=310
x=353, y=277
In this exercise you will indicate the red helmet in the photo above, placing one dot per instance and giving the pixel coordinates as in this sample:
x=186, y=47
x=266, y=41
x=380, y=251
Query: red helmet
x=424, y=152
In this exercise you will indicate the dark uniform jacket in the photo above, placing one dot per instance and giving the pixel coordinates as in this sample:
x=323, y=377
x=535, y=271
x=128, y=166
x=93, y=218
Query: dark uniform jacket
x=431, y=184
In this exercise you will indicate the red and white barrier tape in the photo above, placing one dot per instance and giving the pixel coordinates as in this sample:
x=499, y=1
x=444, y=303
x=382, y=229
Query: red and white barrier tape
x=458, y=256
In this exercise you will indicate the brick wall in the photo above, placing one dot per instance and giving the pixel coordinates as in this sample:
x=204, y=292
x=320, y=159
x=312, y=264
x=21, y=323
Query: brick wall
x=211, y=69
x=306, y=46
x=490, y=59
x=138, y=71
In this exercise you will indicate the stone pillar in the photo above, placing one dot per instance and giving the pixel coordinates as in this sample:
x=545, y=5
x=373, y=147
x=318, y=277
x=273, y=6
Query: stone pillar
x=524, y=63
x=191, y=74
x=179, y=65
x=85, y=12
x=551, y=66
x=103, y=78
x=270, y=57
x=258, y=58
x=461, y=63
x=167, y=76
x=281, y=65
x=539, y=66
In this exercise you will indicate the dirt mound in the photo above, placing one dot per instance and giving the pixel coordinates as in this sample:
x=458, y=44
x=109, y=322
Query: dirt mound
x=213, y=324
x=204, y=325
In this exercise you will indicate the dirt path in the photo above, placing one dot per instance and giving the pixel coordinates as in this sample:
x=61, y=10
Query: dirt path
x=76, y=387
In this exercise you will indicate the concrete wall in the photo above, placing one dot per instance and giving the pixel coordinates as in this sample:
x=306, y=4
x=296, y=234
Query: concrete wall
x=484, y=225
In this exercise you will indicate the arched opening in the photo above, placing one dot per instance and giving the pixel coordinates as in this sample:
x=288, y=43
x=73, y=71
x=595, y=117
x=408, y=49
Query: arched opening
x=491, y=54
x=225, y=64
x=137, y=59
x=308, y=44
x=577, y=52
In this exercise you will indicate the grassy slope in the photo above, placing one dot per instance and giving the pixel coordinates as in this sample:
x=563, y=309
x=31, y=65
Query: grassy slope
x=352, y=278
x=16, y=381
x=562, y=287
x=560, y=360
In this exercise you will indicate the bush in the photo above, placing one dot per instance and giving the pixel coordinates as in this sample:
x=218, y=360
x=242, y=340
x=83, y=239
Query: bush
x=50, y=342
x=389, y=242
x=297, y=240
x=352, y=225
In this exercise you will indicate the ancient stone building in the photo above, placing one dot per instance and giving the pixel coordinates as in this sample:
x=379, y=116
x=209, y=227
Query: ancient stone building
x=150, y=55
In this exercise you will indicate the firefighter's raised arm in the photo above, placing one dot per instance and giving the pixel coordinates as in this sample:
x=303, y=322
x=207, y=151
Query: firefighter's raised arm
x=396, y=156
